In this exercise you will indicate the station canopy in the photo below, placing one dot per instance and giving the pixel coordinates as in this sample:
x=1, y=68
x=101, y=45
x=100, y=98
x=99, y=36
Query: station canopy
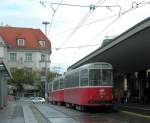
x=128, y=52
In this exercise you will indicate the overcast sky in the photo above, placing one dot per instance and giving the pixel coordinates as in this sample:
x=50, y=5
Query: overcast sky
x=75, y=26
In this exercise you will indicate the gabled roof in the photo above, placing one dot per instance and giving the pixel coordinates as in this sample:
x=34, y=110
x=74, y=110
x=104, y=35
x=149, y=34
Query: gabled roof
x=31, y=37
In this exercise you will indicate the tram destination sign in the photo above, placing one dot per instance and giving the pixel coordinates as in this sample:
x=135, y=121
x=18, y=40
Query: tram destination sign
x=102, y=66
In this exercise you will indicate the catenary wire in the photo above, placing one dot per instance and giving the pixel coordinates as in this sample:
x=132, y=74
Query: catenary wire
x=90, y=23
x=115, y=21
x=54, y=11
x=79, y=24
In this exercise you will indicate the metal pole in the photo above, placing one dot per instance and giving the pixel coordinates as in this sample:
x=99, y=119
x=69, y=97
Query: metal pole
x=46, y=60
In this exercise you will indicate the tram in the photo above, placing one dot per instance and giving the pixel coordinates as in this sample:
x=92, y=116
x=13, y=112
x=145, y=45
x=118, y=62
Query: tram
x=88, y=85
x=56, y=91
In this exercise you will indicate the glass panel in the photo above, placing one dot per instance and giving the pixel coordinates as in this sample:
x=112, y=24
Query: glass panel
x=107, y=77
x=67, y=81
x=20, y=42
x=84, y=77
x=56, y=85
x=76, y=79
x=42, y=43
x=95, y=77
x=13, y=56
x=61, y=83
x=100, y=77
x=28, y=56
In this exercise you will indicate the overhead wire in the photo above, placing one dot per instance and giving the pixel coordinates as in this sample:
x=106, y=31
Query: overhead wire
x=137, y=5
x=72, y=47
x=87, y=24
x=79, y=24
x=54, y=11
x=121, y=14
x=75, y=5
x=92, y=11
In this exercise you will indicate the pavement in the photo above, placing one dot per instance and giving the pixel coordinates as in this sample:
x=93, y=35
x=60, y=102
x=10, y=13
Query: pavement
x=54, y=116
x=17, y=112
x=21, y=112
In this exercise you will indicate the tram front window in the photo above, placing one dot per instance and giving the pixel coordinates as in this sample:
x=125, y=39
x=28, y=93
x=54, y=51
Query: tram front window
x=100, y=77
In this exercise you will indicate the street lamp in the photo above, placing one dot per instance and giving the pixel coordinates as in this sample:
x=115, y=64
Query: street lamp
x=46, y=23
x=46, y=61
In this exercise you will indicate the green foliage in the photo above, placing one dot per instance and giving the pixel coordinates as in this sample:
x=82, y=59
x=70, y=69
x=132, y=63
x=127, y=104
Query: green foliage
x=23, y=76
x=52, y=75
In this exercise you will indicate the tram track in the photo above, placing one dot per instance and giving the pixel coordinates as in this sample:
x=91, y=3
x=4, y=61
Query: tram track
x=68, y=115
x=79, y=115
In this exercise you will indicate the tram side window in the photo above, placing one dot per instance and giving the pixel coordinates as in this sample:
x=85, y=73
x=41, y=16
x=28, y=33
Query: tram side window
x=68, y=81
x=73, y=80
x=76, y=79
x=95, y=77
x=56, y=85
x=107, y=77
x=84, y=77
x=61, y=83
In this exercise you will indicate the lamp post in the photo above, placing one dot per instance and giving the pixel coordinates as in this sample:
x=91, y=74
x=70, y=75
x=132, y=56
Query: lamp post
x=46, y=61
x=46, y=24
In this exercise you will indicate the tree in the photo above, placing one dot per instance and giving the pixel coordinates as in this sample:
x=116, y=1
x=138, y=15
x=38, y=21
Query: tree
x=21, y=77
x=52, y=75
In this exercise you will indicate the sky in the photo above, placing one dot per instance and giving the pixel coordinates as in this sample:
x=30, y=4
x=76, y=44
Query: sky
x=75, y=30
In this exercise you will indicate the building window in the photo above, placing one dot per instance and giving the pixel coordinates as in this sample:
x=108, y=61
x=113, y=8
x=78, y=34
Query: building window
x=43, y=57
x=20, y=42
x=13, y=56
x=42, y=43
x=28, y=56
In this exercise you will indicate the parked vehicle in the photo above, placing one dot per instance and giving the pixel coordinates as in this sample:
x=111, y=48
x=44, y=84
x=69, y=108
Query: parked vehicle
x=36, y=100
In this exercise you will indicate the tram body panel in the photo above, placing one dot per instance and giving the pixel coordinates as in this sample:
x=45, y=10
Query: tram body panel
x=89, y=96
x=58, y=95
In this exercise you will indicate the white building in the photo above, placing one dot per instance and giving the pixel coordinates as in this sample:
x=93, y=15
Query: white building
x=24, y=48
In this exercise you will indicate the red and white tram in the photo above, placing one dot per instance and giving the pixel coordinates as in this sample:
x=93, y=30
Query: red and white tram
x=88, y=85
x=56, y=90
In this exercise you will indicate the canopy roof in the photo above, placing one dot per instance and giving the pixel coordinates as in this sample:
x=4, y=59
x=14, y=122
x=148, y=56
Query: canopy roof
x=127, y=52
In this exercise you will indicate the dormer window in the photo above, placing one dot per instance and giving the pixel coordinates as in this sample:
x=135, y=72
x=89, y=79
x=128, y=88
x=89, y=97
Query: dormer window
x=42, y=43
x=20, y=42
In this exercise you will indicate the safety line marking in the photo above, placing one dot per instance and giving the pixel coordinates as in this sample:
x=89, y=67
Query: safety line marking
x=136, y=114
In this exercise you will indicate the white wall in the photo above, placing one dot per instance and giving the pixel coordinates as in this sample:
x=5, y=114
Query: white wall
x=21, y=62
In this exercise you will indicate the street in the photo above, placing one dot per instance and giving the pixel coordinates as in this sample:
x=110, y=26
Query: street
x=24, y=112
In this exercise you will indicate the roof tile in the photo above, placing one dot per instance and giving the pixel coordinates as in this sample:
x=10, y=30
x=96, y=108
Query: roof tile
x=31, y=37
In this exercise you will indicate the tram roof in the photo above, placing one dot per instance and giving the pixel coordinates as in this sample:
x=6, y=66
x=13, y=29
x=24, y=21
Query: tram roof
x=127, y=52
x=96, y=65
